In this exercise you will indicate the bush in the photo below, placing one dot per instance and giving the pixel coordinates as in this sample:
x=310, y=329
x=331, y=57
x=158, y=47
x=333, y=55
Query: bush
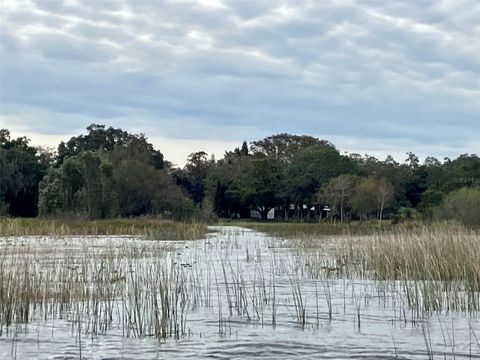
x=405, y=215
x=462, y=205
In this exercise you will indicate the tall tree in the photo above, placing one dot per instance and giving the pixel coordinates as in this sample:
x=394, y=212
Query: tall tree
x=364, y=200
x=192, y=177
x=310, y=170
x=338, y=193
x=384, y=195
x=99, y=138
x=92, y=175
x=107, y=173
x=286, y=146
x=263, y=185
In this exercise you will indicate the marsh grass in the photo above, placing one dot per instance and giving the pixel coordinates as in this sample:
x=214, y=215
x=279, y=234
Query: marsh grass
x=154, y=229
x=445, y=252
x=148, y=294
x=151, y=289
x=436, y=266
x=291, y=230
x=437, y=253
x=441, y=263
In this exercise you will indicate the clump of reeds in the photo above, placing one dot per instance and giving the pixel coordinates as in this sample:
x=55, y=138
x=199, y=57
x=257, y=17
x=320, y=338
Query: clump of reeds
x=438, y=265
x=155, y=229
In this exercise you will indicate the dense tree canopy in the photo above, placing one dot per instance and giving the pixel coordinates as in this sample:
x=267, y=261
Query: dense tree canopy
x=109, y=172
x=192, y=177
x=121, y=143
x=21, y=169
x=285, y=146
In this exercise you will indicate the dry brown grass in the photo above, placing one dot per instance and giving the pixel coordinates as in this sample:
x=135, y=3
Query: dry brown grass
x=438, y=266
x=154, y=229
x=293, y=230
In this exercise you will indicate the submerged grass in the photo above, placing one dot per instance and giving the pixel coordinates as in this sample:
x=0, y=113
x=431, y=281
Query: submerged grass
x=154, y=229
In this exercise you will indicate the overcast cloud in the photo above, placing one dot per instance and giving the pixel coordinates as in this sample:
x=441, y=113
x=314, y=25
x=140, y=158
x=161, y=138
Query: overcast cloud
x=382, y=77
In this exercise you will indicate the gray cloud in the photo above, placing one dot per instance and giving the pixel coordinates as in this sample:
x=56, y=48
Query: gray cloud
x=367, y=73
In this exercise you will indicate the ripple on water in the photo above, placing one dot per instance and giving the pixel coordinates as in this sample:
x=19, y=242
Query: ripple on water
x=248, y=256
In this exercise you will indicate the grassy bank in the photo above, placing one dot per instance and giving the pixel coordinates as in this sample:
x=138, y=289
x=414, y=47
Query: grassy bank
x=154, y=229
x=313, y=230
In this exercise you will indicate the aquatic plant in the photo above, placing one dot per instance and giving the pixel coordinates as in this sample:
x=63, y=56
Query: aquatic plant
x=151, y=228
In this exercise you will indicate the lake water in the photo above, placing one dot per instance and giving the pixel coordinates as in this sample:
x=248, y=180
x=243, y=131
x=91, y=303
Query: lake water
x=239, y=294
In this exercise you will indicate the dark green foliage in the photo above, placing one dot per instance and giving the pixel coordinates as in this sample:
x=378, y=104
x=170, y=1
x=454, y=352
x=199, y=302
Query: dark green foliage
x=313, y=168
x=306, y=165
x=55, y=196
x=93, y=184
x=21, y=169
x=461, y=172
x=281, y=170
x=244, y=149
x=141, y=189
x=123, y=144
x=226, y=184
x=262, y=186
x=430, y=200
x=192, y=177
x=285, y=146
x=112, y=173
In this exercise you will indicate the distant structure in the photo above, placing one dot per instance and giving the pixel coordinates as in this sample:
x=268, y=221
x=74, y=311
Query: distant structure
x=254, y=214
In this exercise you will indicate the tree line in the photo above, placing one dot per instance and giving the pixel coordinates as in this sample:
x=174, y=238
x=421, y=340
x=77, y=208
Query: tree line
x=109, y=172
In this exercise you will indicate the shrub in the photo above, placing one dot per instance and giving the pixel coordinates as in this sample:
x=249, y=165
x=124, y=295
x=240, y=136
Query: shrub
x=405, y=215
x=462, y=205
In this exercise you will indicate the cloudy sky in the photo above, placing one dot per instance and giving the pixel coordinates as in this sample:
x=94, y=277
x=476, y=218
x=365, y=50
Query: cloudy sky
x=377, y=77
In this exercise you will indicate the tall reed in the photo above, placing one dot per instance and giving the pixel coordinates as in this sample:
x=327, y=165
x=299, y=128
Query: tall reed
x=155, y=229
